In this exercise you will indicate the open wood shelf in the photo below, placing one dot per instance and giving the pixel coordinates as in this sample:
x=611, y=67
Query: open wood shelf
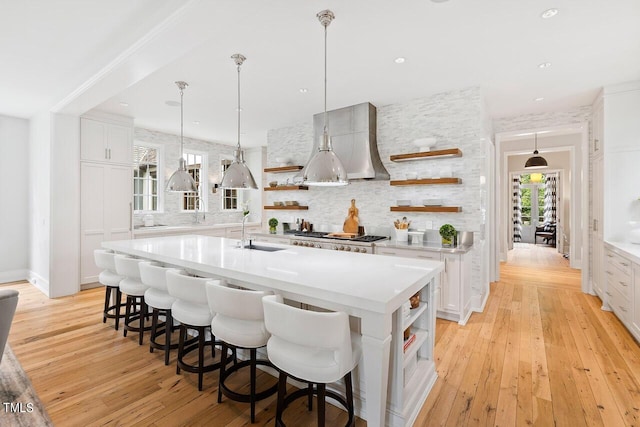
x=427, y=181
x=290, y=208
x=426, y=209
x=450, y=152
x=286, y=187
x=281, y=169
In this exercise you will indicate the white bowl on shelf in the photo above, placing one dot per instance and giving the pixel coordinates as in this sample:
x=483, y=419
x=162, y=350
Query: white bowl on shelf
x=403, y=202
x=283, y=161
x=432, y=202
x=424, y=144
x=411, y=175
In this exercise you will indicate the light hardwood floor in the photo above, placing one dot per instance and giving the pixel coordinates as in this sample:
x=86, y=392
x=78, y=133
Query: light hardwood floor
x=542, y=353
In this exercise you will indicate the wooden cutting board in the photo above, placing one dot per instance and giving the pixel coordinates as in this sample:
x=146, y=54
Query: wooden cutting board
x=352, y=221
x=343, y=235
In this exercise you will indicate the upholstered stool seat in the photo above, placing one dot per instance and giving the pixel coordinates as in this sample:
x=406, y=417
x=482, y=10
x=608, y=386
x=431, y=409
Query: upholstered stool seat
x=238, y=323
x=158, y=299
x=111, y=280
x=313, y=347
x=191, y=309
x=134, y=289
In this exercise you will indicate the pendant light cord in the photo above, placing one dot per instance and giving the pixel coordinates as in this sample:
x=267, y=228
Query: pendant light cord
x=181, y=125
x=325, y=78
x=238, y=106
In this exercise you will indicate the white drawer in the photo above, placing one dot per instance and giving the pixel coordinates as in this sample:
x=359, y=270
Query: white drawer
x=615, y=261
x=620, y=305
x=620, y=282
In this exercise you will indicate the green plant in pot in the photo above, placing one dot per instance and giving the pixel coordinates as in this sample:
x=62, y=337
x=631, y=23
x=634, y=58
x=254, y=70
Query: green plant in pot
x=448, y=234
x=273, y=223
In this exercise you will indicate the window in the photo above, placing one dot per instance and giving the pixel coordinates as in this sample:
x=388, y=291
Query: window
x=147, y=183
x=197, y=167
x=532, y=197
x=229, y=196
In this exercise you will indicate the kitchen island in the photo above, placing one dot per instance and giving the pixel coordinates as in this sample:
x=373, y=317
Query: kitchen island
x=371, y=288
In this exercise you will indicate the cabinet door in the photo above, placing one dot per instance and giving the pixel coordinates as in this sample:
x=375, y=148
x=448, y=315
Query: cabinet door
x=92, y=227
x=93, y=143
x=450, y=288
x=119, y=144
x=598, y=127
x=118, y=197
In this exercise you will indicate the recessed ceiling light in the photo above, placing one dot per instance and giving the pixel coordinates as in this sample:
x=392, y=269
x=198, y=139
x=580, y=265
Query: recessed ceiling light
x=196, y=122
x=439, y=1
x=124, y=104
x=539, y=99
x=399, y=60
x=549, y=13
x=238, y=109
x=303, y=90
x=172, y=103
x=544, y=65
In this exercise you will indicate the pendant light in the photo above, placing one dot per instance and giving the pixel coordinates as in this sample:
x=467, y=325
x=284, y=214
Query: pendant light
x=536, y=161
x=238, y=176
x=181, y=180
x=325, y=168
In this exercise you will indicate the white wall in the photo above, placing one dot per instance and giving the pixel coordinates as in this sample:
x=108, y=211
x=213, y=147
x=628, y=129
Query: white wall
x=14, y=187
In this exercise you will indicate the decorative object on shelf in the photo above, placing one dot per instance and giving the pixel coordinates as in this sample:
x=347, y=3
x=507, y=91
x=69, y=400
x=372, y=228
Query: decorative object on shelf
x=407, y=333
x=402, y=229
x=291, y=203
x=237, y=175
x=181, y=180
x=283, y=161
x=424, y=144
x=273, y=183
x=408, y=341
x=404, y=202
x=536, y=161
x=415, y=300
x=448, y=233
x=325, y=168
x=352, y=222
x=273, y=223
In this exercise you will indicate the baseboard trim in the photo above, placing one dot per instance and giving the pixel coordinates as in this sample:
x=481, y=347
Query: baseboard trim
x=39, y=282
x=13, y=276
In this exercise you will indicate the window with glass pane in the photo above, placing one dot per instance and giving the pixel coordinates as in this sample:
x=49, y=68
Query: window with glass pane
x=525, y=196
x=540, y=203
x=145, y=178
x=195, y=165
x=229, y=196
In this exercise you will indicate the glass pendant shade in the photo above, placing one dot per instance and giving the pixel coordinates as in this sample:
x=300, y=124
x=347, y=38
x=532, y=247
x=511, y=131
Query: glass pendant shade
x=237, y=175
x=325, y=168
x=536, y=161
x=181, y=181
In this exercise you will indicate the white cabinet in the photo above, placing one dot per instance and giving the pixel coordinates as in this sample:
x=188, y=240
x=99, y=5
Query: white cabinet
x=269, y=238
x=635, y=318
x=105, y=142
x=597, y=277
x=618, y=272
x=597, y=144
x=452, y=288
x=106, y=194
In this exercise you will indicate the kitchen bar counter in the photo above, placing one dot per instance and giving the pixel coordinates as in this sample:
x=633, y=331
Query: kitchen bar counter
x=370, y=287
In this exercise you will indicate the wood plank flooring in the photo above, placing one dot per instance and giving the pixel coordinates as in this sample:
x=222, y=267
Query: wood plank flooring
x=542, y=353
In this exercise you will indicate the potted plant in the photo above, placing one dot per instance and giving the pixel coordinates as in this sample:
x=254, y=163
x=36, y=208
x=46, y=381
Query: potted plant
x=448, y=233
x=273, y=223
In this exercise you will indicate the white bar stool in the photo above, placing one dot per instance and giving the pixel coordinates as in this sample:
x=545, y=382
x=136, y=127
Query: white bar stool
x=134, y=289
x=238, y=322
x=111, y=280
x=157, y=297
x=312, y=347
x=191, y=309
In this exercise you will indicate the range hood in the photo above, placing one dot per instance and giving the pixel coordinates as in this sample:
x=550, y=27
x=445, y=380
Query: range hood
x=353, y=137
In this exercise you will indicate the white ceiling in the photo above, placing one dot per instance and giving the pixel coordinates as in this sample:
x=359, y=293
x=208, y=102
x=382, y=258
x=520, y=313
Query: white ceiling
x=55, y=53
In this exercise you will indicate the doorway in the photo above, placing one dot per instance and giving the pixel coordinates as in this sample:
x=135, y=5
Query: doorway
x=532, y=195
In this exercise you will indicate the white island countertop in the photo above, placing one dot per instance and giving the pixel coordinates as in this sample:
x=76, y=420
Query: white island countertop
x=370, y=287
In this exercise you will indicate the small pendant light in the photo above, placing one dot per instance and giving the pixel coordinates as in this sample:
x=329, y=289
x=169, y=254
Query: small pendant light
x=181, y=180
x=325, y=168
x=238, y=176
x=536, y=161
